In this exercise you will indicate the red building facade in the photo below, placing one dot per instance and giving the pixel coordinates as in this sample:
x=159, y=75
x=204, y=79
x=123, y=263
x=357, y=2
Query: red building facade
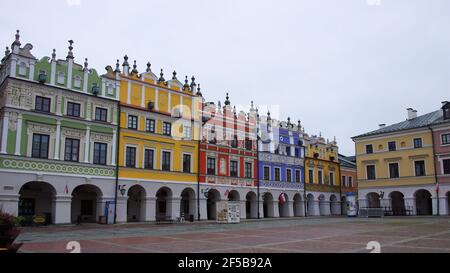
x=228, y=158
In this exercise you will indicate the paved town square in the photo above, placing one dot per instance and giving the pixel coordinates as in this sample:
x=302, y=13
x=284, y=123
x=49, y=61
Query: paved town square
x=302, y=235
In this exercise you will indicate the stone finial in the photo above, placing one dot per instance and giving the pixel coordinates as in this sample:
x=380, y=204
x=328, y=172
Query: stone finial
x=174, y=75
x=148, y=67
x=161, y=78
x=199, y=93
x=219, y=104
x=117, y=70
x=193, y=84
x=85, y=64
x=17, y=40
x=7, y=51
x=227, y=100
x=186, y=84
x=251, y=106
x=134, y=68
x=125, y=61
x=289, y=122
x=299, y=124
x=70, y=53
x=54, y=55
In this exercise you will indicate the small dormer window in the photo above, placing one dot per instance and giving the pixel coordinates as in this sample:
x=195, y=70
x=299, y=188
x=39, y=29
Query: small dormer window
x=61, y=78
x=447, y=113
x=22, y=69
x=77, y=82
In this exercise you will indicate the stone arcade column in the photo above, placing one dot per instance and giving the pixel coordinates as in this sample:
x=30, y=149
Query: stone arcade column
x=9, y=203
x=174, y=207
x=61, y=209
x=325, y=208
x=290, y=205
x=314, y=211
x=410, y=203
x=18, y=134
x=121, y=209
x=261, y=208
x=386, y=202
x=149, y=203
x=5, y=126
x=203, y=209
x=434, y=202
x=443, y=205
x=243, y=211
x=276, y=211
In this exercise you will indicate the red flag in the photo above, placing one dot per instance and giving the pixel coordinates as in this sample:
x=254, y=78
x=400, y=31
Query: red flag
x=66, y=190
x=226, y=193
x=282, y=198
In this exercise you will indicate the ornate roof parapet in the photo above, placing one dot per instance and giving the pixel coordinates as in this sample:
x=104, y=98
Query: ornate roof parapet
x=15, y=46
x=199, y=93
x=134, y=71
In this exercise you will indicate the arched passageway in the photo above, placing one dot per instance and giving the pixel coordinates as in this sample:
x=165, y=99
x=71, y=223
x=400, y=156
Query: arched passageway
x=283, y=205
x=37, y=198
x=188, y=205
x=268, y=205
x=373, y=200
x=213, y=198
x=163, y=203
x=298, y=205
x=135, y=204
x=251, y=206
x=423, y=202
x=397, y=203
x=86, y=203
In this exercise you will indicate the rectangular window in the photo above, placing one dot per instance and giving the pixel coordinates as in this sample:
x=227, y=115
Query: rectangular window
x=419, y=167
x=187, y=132
x=73, y=109
x=42, y=104
x=445, y=139
x=297, y=176
x=350, y=181
x=393, y=170
x=148, y=159
x=288, y=175
x=71, y=149
x=130, y=161
x=446, y=166
x=311, y=176
x=101, y=114
x=40, y=146
x=167, y=126
x=344, y=181
x=132, y=122
x=277, y=174
x=288, y=151
x=391, y=145
x=186, y=163
x=211, y=166
x=100, y=153
x=319, y=175
x=417, y=143
x=166, y=161
x=297, y=152
x=248, y=169
x=233, y=168
x=266, y=173
x=150, y=125
x=248, y=144
x=370, y=172
x=369, y=149
x=331, y=179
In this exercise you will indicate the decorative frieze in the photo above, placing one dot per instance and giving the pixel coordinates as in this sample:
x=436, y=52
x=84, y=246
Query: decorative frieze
x=225, y=180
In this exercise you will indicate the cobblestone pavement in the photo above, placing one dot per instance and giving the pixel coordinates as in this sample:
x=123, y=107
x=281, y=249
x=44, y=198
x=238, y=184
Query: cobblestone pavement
x=311, y=234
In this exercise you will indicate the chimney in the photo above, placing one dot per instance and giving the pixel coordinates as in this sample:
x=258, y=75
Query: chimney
x=411, y=113
x=382, y=125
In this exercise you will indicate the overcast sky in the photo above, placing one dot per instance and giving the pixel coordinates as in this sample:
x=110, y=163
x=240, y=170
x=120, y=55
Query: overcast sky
x=341, y=67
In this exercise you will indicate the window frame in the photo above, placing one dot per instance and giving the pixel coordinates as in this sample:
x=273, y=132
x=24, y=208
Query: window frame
x=371, y=149
x=398, y=170
x=130, y=162
x=98, y=160
x=424, y=168
x=392, y=148
x=42, y=100
x=72, y=140
x=417, y=140
x=190, y=163
x=145, y=164
x=132, y=122
x=101, y=110
x=234, y=173
x=71, y=114
x=208, y=169
x=163, y=159
x=374, y=172
x=40, y=155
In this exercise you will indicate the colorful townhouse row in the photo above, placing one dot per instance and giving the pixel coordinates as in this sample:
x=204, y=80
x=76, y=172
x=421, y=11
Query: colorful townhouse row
x=73, y=141
x=404, y=168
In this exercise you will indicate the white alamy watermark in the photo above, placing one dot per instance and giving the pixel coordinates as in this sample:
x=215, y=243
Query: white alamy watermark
x=373, y=2
x=72, y=3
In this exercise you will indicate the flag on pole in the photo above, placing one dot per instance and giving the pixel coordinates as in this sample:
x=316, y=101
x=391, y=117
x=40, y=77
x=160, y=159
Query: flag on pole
x=66, y=190
x=437, y=187
x=282, y=198
x=226, y=193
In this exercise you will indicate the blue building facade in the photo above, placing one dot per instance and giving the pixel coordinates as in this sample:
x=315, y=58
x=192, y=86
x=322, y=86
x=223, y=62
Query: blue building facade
x=281, y=157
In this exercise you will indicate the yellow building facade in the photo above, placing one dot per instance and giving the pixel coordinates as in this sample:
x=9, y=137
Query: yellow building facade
x=395, y=167
x=322, y=176
x=158, y=146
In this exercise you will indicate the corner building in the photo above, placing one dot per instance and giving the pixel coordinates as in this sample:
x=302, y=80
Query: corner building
x=58, y=134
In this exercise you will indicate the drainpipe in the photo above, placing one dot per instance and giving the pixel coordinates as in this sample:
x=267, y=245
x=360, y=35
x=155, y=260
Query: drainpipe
x=305, y=202
x=117, y=160
x=340, y=184
x=198, y=160
x=257, y=165
x=435, y=171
